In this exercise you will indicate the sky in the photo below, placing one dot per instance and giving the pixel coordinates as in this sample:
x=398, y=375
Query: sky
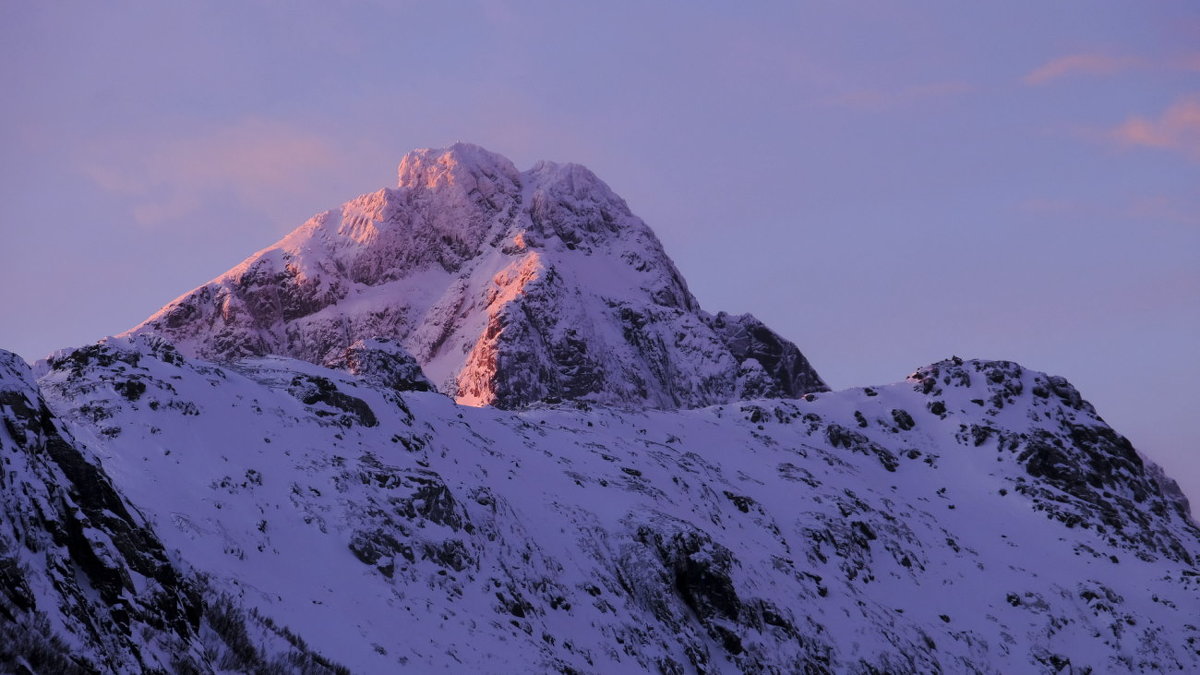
x=886, y=184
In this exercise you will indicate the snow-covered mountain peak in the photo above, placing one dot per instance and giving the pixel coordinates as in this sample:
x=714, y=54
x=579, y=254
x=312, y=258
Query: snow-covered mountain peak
x=462, y=165
x=507, y=288
x=571, y=179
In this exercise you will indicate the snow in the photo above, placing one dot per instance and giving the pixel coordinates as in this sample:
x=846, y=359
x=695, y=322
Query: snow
x=556, y=512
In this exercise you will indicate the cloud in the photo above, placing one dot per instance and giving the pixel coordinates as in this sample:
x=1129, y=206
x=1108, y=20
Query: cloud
x=1098, y=64
x=1177, y=129
x=1080, y=64
x=255, y=161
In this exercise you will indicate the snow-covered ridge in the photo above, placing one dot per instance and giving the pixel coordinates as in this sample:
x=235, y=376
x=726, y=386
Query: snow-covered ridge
x=509, y=288
x=976, y=517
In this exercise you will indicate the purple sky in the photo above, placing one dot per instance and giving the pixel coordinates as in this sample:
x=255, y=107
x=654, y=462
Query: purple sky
x=885, y=183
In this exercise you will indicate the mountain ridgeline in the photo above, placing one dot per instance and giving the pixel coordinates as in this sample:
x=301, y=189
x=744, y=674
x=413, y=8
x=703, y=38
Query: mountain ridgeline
x=509, y=288
x=477, y=423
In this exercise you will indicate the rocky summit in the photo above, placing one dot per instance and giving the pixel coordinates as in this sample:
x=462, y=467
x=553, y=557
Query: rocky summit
x=278, y=473
x=508, y=288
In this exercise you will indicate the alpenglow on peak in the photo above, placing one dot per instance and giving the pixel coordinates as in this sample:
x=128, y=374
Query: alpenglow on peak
x=508, y=288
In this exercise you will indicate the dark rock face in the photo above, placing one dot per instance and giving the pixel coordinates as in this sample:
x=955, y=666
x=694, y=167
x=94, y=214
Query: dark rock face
x=699, y=572
x=682, y=577
x=841, y=437
x=748, y=338
x=417, y=520
x=316, y=391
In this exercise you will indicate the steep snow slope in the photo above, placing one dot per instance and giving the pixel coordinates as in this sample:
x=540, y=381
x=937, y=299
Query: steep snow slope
x=85, y=584
x=509, y=288
x=975, y=517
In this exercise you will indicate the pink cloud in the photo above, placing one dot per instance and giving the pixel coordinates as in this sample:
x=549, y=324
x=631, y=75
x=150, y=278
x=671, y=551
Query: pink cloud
x=1176, y=129
x=1097, y=64
x=1080, y=64
x=168, y=179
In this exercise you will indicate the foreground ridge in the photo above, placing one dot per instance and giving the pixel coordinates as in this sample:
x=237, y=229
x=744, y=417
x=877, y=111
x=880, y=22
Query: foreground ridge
x=976, y=517
x=509, y=288
x=87, y=586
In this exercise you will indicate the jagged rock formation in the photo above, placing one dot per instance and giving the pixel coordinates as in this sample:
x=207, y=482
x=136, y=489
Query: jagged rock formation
x=977, y=517
x=509, y=288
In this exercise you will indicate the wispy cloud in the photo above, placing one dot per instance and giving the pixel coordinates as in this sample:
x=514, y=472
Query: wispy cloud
x=252, y=160
x=880, y=99
x=1080, y=64
x=1097, y=64
x=1176, y=129
x=1145, y=210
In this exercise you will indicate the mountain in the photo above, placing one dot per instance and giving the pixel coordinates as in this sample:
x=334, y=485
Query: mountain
x=976, y=517
x=509, y=288
x=264, y=478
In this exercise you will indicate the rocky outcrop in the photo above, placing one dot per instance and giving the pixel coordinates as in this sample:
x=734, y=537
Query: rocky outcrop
x=509, y=288
x=785, y=373
x=384, y=363
x=1079, y=471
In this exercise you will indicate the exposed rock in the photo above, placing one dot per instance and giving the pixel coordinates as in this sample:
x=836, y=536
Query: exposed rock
x=748, y=339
